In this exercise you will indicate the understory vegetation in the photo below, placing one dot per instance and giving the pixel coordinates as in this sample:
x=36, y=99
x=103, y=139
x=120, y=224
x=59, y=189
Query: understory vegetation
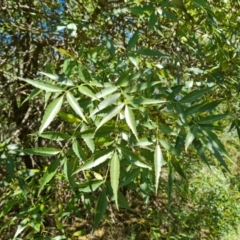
x=119, y=119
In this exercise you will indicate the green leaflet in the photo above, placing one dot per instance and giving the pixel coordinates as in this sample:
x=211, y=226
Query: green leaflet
x=129, y=177
x=55, y=136
x=89, y=186
x=211, y=146
x=141, y=86
x=208, y=107
x=212, y=118
x=46, y=152
x=110, y=47
x=95, y=160
x=125, y=79
x=79, y=151
x=158, y=160
x=133, y=41
x=75, y=106
x=50, y=113
x=151, y=53
x=169, y=147
x=190, y=137
x=110, y=115
x=68, y=171
x=147, y=101
x=199, y=147
x=62, y=80
x=114, y=175
x=87, y=92
x=106, y=91
x=49, y=174
x=212, y=137
x=33, y=94
x=130, y=119
x=106, y=102
x=43, y=85
x=152, y=21
x=133, y=157
x=100, y=208
x=194, y=95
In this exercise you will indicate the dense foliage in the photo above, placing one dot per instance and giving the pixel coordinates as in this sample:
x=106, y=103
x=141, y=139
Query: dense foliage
x=108, y=102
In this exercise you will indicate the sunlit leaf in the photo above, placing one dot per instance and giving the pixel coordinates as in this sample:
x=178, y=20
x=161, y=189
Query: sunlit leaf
x=114, y=175
x=95, y=160
x=158, y=160
x=50, y=113
x=87, y=91
x=41, y=151
x=75, y=106
x=110, y=115
x=43, y=85
x=106, y=102
x=190, y=137
x=130, y=119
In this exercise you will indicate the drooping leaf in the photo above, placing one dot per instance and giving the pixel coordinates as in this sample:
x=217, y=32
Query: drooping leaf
x=100, y=208
x=110, y=115
x=50, y=113
x=49, y=174
x=43, y=85
x=211, y=146
x=114, y=176
x=130, y=119
x=176, y=165
x=158, y=160
x=75, y=106
x=199, y=147
x=216, y=142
